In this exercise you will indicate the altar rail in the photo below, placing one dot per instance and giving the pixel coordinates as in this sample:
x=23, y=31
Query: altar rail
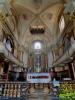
x=19, y=90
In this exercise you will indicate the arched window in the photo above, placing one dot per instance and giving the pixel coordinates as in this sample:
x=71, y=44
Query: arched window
x=61, y=24
x=9, y=43
x=37, y=45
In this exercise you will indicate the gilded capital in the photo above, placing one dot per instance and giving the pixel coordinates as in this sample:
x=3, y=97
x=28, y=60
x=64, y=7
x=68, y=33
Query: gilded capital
x=2, y=17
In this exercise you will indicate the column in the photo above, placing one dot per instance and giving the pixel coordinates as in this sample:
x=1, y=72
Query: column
x=73, y=67
x=46, y=60
x=20, y=53
x=15, y=49
x=43, y=61
x=50, y=59
x=30, y=61
x=2, y=20
x=74, y=28
x=25, y=58
x=71, y=70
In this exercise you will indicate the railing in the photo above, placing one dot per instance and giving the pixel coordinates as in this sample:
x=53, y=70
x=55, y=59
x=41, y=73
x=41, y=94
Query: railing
x=13, y=90
x=18, y=90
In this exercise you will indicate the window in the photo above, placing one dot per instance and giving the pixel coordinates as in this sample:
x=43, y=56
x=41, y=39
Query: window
x=8, y=45
x=37, y=45
x=61, y=24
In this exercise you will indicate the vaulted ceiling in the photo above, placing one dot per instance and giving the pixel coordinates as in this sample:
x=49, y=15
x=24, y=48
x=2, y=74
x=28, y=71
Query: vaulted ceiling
x=38, y=12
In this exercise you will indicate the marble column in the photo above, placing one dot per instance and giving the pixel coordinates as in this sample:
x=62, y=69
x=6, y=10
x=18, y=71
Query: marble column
x=46, y=60
x=24, y=55
x=2, y=20
x=74, y=28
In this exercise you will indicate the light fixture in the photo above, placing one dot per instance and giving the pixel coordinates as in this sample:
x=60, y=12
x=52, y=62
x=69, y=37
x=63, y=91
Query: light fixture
x=37, y=29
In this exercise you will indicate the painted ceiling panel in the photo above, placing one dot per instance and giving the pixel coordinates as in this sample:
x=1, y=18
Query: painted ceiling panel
x=38, y=13
x=36, y=6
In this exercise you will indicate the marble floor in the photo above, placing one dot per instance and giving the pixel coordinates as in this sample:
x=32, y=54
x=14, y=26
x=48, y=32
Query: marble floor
x=40, y=95
x=42, y=98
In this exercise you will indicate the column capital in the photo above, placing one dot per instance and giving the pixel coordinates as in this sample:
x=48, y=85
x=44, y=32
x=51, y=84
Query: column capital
x=2, y=17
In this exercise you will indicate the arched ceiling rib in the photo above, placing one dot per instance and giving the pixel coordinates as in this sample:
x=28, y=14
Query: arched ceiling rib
x=37, y=6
